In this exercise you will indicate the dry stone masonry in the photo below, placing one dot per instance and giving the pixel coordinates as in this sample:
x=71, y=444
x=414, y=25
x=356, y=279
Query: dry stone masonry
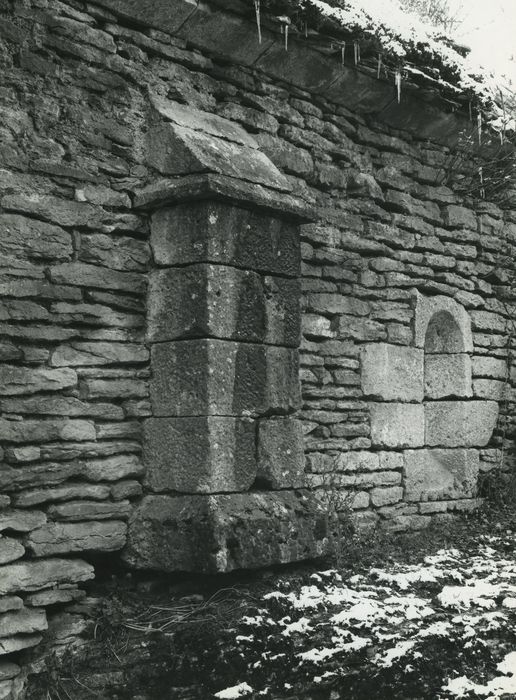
x=237, y=300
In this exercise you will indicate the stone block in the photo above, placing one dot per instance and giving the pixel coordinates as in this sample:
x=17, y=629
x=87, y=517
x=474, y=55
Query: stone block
x=81, y=274
x=281, y=459
x=459, y=423
x=10, y=550
x=8, y=645
x=225, y=532
x=218, y=377
x=386, y=496
x=21, y=520
x=220, y=233
x=89, y=536
x=203, y=454
x=46, y=573
x=8, y=670
x=118, y=253
x=447, y=375
x=46, y=430
x=490, y=367
x=397, y=425
x=16, y=380
x=100, y=353
x=459, y=217
x=433, y=475
x=442, y=325
x=224, y=302
x=24, y=621
x=23, y=236
x=32, y=497
x=90, y=510
x=392, y=372
x=489, y=389
x=180, y=150
x=356, y=462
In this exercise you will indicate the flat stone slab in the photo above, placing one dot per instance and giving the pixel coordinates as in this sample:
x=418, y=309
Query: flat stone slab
x=442, y=325
x=448, y=375
x=281, y=459
x=435, y=474
x=397, y=425
x=61, y=538
x=10, y=550
x=24, y=621
x=8, y=645
x=221, y=533
x=35, y=575
x=224, y=302
x=459, y=423
x=204, y=454
x=392, y=372
x=218, y=377
x=218, y=232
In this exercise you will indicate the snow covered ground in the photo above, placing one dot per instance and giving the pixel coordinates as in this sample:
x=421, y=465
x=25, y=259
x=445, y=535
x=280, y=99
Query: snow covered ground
x=442, y=628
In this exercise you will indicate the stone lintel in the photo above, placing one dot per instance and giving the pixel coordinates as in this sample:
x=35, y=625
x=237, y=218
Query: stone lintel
x=221, y=188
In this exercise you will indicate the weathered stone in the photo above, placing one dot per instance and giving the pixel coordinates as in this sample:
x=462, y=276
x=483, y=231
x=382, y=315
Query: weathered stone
x=10, y=602
x=35, y=575
x=20, y=310
x=392, y=372
x=120, y=253
x=386, y=496
x=491, y=367
x=18, y=455
x=47, y=474
x=113, y=468
x=95, y=315
x=200, y=377
x=204, y=454
x=488, y=321
x=84, y=353
x=281, y=459
x=447, y=375
x=220, y=233
x=64, y=493
x=55, y=595
x=397, y=425
x=179, y=150
x=24, y=380
x=459, y=423
x=489, y=389
x=46, y=431
x=88, y=510
x=22, y=621
x=226, y=532
x=61, y=538
x=85, y=275
x=22, y=641
x=21, y=520
x=55, y=209
x=442, y=325
x=84, y=450
x=440, y=474
x=23, y=236
x=114, y=388
x=459, y=217
x=61, y=406
x=314, y=326
x=10, y=550
x=225, y=302
x=8, y=670
x=356, y=462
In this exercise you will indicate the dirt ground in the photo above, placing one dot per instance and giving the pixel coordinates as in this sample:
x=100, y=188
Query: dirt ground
x=428, y=615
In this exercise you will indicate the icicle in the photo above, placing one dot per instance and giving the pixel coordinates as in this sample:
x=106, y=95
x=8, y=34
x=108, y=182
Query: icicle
x=343, y=53
x=397, y=83
x=378, y=70
x=306, y=30
x=479, y=128
x=356, y=52
x=258, y=20
x=481, y=176
x=286, y=37
x=470, y=112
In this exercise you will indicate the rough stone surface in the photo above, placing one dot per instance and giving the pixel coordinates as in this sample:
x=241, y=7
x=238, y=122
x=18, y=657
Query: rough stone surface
x=90, y=510
x=392, y=372
x=431, y=475
x=281, y=460
x=397, y=425
x=23, y=621
x=226, y=532
x=204, y=454
x=447, y=375
x=223, y=302
x=10, y=550
x=219, y=233
x=8, y=645
x=460, y=423
x=21, y=520
x=206, y=377
x=34, y=575
x=61, y=538
x=25, y=380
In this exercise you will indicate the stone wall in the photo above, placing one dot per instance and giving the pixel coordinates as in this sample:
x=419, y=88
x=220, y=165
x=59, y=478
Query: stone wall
x=84, y=89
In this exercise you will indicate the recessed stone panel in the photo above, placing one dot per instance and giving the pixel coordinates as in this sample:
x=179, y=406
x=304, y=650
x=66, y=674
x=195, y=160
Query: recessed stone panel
x=281, y=459
x=431, y=475
x=225, y=302
x=219, y=377
x=226, y=532
x=442, y=325
x=205, y=454
x=397, y=425
x=392, y=372
x=460, y=423
x=447, y=375
x=221, y=233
